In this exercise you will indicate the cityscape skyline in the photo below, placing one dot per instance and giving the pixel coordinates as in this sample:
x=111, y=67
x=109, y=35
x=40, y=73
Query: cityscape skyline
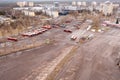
x=57, y=0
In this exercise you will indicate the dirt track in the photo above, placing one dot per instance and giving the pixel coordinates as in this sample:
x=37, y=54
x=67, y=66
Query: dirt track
x=94, y=59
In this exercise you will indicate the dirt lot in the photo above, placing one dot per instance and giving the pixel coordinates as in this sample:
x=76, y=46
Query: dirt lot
x=94, y=60
x=20, y=65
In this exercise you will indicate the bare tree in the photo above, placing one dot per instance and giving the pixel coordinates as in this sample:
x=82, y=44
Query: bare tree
x=96, y=22
x=64, y=18
x=74, y=13
x=5, y=46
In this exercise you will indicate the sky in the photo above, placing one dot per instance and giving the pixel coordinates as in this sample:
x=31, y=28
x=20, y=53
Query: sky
x=55, y=0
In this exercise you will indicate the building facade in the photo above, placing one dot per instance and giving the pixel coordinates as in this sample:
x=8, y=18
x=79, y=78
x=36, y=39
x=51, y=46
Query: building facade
x=22, y=4
x=29, y=13
x=107, y=8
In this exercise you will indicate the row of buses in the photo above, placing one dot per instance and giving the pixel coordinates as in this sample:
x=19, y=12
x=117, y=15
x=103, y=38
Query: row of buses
x=108, y=23
x=32, y=33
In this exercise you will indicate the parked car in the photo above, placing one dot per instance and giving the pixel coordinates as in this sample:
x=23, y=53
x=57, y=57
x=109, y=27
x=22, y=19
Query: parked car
x=54, y=25
x=86, y=38
x=91, y=36
x=67, y=21
x=73, y=37
x=63, y=26
x=69, y=31
x=83, y=39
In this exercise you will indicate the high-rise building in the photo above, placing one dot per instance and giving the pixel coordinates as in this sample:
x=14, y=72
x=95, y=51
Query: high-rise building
x=83, y=3
x=22, y=4
x=118, y=13
x=94, y=4
x=74, y=3
x=107, y=8
x=29, y=13
x=30, y=4
x=79, y=3
x=116, y=5
x=56, y=4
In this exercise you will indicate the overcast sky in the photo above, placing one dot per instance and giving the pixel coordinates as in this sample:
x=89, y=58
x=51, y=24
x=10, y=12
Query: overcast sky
x=55, y=0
